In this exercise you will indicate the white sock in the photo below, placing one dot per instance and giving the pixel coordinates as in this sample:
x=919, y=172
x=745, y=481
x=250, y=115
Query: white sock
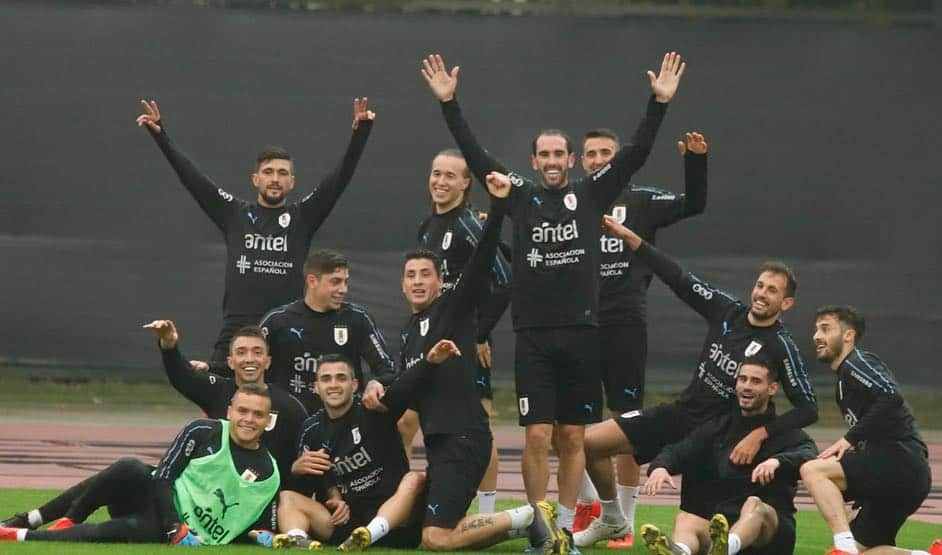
x=917, y=552
x=521, y=517
x=35, y=518
x=587, y=492
x=378, y=528
x=628, y=498
x=296, y=532
x=845, y=542
x=486, y=502
x=565, y=516
x=684, y=547
x=611, y=512
x=734, y=544
x=21, y=534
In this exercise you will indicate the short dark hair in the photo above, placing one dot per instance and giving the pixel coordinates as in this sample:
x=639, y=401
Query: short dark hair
x=248, y=331
x=272, y=152
x=553, y=133
x=425, y=254
x=846, y=315
x=759, y=360
x=252, y=389
x=324, y=261
x=332, y=358
x=455, y=153
x=601, y=132
x=779, y=267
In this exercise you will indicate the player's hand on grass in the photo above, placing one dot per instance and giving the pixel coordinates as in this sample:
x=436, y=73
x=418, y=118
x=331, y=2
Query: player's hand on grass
x=745, y=451
x=664, y=84
x=611, y=225
x=360, y=113
x=836, y=450
x=166, y=333
x=695, y=143
x=199, y=365
x=764, y=472
x=498, y=184
x=441, y=82
x=150, y=117
x=484, y=354
x=182, y=535
x=311, y=462
x=442, y=351
x=339, y=511
x=656, y=480
x=371, y=396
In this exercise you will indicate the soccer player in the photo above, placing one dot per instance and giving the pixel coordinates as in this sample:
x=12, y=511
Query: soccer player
x=556, y=282
x=452, y=231
x=624, y=283
x=881, y=463
x=353, y=459
x=456, y=429
x=214, y=483
x=758, y=498
x=266, y=240
x=736, y=331
x=322, y=323
x=248, y=359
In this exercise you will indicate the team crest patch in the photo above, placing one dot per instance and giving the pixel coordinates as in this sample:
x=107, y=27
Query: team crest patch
x=753, y=348
x=631, y=414
x=515, y=180
x=524, y=404
x=571, y=201
x=620, y=212
x=355, y=432
x=341, y=335
x=284, y=220
x=423, y=326
x=272, y=421
x=446, y=241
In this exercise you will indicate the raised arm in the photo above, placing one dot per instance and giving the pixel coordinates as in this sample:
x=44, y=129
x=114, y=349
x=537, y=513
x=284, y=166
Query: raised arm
x=195, y=386
x=214, y=201
x=708, y=301
x=610, y=179
x=443, y=84
x=319, y=202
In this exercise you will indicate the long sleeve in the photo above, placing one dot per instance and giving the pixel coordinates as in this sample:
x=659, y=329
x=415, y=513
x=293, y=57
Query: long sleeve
x=797, y=388
x=796, y=455
x=879, y=421
x=195, y=386
x=214, y=201
x=373, y=349
x=182, y=450
x=678, y=457
x=319, y=202
x=695, y=184
x=479, y=160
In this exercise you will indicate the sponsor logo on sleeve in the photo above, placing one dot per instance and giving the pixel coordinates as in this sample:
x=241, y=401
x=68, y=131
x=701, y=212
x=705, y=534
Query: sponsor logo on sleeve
x=515, y=179
x=224, y=194
x=702, y=291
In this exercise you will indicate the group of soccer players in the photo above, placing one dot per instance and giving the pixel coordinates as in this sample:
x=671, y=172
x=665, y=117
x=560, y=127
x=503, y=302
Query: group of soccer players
x=300, y=448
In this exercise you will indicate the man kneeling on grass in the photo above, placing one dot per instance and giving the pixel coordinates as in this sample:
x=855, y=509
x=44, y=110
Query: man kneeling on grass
x=215, y=483
x=353, y=459
x=757, y=498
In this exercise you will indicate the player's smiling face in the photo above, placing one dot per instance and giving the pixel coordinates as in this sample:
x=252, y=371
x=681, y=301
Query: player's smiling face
x=768, y=298
x=273, y=180
x=596, y=152
x=421, y=283
x=335, y=385
x=831, y=339
x=248, y=359
x=753, y=389
x=448, y=182
x=248, y=415
x=328, y=291
x=552, y=160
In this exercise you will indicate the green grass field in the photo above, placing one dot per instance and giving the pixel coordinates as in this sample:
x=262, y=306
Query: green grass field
x=813, y=536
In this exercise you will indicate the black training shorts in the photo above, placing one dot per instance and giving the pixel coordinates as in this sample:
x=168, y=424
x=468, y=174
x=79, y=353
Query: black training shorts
x=624, y=352
x=456, y=465
x=650, y=430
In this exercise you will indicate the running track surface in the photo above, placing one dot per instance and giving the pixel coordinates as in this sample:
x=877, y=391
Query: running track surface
x=57, y=455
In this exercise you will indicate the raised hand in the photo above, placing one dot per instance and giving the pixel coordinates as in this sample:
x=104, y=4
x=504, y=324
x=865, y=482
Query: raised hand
x=696, y=143
x=360, y=113
x=372, y=394
x=498, y=184
x=442, y=351
x=442, y=83
x=664, y=84
x=166, y=333
x=150, y=117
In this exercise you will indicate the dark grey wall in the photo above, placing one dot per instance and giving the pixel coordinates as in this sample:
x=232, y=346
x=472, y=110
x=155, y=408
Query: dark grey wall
x=822, y=140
